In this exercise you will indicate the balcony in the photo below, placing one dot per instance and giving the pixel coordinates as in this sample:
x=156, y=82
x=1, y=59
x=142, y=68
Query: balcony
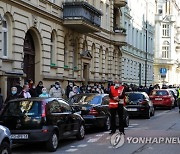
x=119, y=38
x=120, y=3
x=164, y=61
x=81, y=17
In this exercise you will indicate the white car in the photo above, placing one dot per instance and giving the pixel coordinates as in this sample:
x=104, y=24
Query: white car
x=5, y=141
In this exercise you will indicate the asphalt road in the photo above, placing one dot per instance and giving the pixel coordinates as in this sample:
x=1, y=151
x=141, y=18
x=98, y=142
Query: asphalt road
x=165, y=123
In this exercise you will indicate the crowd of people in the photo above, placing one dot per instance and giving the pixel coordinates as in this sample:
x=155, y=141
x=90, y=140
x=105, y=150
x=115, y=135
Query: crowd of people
x=29, y=89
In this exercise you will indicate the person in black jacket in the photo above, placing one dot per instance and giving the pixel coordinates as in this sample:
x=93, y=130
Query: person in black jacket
x=13, y=95
x=33, y=91
x=39, y=88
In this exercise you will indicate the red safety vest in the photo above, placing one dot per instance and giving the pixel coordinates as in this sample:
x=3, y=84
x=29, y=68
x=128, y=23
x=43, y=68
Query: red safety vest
x=115, y=92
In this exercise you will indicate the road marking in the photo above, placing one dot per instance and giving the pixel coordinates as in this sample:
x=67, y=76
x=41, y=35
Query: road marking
x=130, y=126
x=100, y=135
x=82, y=145
x=71, y=150
x=93, y=140
x=73, y=146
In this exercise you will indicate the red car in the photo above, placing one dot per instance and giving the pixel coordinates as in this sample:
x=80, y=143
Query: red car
x=162, y=98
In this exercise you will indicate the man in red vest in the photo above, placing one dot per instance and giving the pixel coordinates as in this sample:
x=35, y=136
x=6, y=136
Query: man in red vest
x=116, y=94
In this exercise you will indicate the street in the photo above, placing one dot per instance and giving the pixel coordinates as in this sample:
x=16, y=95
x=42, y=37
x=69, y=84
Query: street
x=165, y=123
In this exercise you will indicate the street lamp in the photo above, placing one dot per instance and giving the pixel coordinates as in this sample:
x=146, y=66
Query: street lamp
x=146, y=45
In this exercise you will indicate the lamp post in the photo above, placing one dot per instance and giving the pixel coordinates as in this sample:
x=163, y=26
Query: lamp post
x=146, y=44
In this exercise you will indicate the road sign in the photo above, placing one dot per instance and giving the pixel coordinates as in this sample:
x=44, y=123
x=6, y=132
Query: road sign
x=163, y=71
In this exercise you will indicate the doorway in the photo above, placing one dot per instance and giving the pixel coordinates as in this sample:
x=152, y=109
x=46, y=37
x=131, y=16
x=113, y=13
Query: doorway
x=29, y=57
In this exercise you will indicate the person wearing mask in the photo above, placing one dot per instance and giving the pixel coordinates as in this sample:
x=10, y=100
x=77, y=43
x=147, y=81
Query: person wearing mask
x=32, y=91
x=30, y=83
x=69, y=88
x=56, y=91
x=44, y=93
x=116, y=94
x=25, y=92
x=13, y=95
x=74, y=91
x=39, y=88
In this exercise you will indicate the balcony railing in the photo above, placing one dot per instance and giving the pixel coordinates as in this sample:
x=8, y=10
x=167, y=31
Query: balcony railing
x=81, y=16
x=120, y=3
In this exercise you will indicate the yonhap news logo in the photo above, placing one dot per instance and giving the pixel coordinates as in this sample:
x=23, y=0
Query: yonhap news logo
x=118, y=140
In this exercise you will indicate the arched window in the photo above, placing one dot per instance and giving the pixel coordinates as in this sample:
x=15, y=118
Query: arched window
x=85, y=46
x=93, y=50
x=66, y=52
x=53, y=49
x=100, y=59
x=114, y=62
x=75, y=54
x=107, y=61
x=165, y=50
x=4, y=37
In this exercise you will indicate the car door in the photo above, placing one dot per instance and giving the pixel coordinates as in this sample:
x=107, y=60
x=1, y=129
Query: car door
x=57, y=117
x=71, y=118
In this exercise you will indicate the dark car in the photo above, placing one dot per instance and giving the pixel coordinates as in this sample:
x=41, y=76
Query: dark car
x=42, y=120
x=174, y=93
x=94, y=109
x=138, y=103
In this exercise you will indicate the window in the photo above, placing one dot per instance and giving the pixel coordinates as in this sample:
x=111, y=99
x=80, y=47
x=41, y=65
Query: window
x=59, y=106
x=107, y=61
x=53, y=49
x=166, y=30
x=100, y=59
x=75, y=54
x=93, y=50
x=107, y=17
x=66, y=46
x=165, y=50
x=5, y=38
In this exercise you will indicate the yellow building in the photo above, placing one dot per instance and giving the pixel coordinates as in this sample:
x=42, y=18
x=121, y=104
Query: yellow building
x=63, y=40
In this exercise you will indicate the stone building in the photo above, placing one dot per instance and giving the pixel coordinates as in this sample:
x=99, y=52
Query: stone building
x=65, y=40
x=167, y=43
x=137, y=56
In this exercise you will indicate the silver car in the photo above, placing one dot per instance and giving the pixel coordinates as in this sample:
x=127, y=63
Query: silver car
x=5, y=141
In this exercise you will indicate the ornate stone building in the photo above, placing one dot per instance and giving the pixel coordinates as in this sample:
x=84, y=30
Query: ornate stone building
x=167, y=43
x=49, y=40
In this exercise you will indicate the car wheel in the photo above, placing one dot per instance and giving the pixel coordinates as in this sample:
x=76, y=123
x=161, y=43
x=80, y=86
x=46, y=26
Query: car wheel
x=5, y=148
x=81, y=132
x=148, y=116
x=52, y=143
x=127, y=121
x=107, y=124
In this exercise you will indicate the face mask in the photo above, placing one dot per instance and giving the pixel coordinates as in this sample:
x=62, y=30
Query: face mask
x=89, y=88
x=57, y=86
x=33, y=87
x=71, y=85
x=44, y=92
x=117, y=85
x=14, y=92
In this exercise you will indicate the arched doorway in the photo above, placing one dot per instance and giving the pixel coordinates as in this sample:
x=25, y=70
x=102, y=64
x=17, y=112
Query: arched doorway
x=29, y=57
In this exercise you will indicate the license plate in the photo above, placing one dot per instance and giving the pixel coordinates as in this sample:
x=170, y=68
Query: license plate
x=132, y=109
x=159, y=99
x=19, y=136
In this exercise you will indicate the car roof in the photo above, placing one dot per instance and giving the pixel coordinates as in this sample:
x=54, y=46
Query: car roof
x=136, y=92
x=35, y=99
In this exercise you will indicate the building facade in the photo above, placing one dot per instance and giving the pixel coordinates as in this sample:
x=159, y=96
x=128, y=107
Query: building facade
x=65, y=40
x=167, y=43
x=137, y=56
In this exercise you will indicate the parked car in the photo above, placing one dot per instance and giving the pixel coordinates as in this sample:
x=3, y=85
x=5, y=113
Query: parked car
x=162, y=98
x=5, y=141
x=94, y=109
x=42, y=120
x=138, y=103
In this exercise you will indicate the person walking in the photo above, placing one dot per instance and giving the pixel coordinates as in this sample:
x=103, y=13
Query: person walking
x=56, y=91
x=117, y=94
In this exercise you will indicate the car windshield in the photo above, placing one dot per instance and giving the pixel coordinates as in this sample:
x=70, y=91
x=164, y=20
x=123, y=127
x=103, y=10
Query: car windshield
x=160, y=93
x=86, y=99
x=134, y=96
x=23, y=108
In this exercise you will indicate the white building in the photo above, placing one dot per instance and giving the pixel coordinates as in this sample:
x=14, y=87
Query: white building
x=167, y=42
x=138, y=20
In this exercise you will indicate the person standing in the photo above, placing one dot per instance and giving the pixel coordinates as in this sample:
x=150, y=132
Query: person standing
x=44, y=93
x=69, y=89
x=25, y=92
x=32, y=91
x=56, y=91
x=73, y=92
x=39, y=88
x=117, y=94
x=13, y=95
